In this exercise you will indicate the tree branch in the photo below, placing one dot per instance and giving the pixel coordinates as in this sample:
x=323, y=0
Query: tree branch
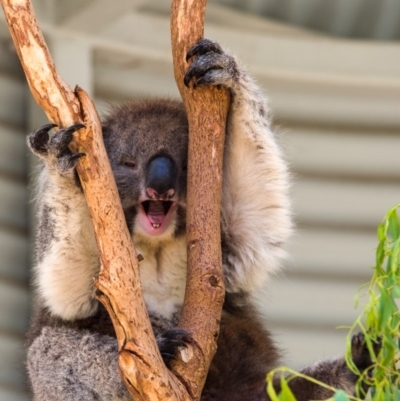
x=140, y=362
x=207, y=110
x=119, y=288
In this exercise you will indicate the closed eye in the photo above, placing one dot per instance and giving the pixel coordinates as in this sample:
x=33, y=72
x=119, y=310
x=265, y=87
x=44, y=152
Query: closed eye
x=129, y=165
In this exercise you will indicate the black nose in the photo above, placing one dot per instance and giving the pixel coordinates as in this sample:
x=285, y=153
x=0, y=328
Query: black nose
x=161, y=178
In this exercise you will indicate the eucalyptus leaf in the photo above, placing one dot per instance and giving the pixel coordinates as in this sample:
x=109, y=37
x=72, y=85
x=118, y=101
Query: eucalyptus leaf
x=340, y=395
x=286, y=393
x=394, y=226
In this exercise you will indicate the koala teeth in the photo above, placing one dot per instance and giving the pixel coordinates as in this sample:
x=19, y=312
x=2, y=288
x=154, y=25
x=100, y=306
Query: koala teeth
x=155, y=225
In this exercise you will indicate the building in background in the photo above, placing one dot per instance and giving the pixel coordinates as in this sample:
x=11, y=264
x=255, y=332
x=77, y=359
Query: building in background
x=332, y=72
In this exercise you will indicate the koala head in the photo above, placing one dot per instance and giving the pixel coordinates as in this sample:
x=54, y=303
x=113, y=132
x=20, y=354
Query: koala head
x=147, y=143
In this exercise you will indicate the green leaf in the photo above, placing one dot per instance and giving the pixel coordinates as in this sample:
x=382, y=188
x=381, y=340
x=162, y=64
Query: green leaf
x=340, y=395
x=271, y=390
x=388, y=396
x=381, y=232
x=286, y=394
x=396, y=291
x=394, y=226
x=385, y=308
x=389, y=343
x=396, y=393
x=380, y=254
x=394, y=258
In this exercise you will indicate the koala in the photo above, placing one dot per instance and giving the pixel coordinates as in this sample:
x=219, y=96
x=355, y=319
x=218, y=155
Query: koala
x=72, y=349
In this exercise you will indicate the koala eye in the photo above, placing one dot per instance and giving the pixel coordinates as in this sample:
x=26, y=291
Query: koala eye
x=129, y=164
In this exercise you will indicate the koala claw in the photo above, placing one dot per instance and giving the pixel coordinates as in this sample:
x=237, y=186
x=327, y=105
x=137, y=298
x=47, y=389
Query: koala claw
x=39, y=139
x=54, y=150
x=59, y=142
x=212, y=66
x=204, y=46
x=170, y=342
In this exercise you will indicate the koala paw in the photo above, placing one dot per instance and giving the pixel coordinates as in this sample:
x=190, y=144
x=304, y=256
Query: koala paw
x=212, y=66
x=54, y=150
x=170, y=343
x=360, y=353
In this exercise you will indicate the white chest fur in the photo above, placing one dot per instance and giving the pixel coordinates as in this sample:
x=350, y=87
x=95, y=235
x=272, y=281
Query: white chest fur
x=163, y=275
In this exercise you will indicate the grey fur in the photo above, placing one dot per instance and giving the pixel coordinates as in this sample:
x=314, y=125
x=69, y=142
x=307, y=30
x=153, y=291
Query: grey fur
x=72, y=353
x=61, y=375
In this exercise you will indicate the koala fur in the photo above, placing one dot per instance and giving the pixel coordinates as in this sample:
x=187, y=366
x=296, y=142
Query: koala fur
x=72, y=350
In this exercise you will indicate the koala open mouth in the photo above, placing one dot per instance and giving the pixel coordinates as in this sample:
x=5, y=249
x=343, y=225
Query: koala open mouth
x=156, y=211
x=156, y=216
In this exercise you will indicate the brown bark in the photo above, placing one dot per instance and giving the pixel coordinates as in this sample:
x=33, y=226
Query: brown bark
x=140, y=362
x=207, y=110
x=141, y=366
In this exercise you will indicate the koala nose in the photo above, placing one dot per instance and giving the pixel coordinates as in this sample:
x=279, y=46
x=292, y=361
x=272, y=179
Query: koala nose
x=161, y=178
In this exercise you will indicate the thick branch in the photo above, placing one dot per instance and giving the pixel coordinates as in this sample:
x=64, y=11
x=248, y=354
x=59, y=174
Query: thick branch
x=140, y=362
x=207, y=110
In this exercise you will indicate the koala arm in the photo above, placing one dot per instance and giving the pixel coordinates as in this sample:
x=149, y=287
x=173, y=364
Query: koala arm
x=256, y=213
x=256, y=217
x=67, y=256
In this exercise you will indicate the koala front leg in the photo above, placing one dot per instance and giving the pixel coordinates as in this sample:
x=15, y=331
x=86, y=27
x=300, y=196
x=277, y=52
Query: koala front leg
x=256, y=216
x=67, y=256
x=69, y=365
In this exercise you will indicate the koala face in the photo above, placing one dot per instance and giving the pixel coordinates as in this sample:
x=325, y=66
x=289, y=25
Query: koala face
x=147, y=145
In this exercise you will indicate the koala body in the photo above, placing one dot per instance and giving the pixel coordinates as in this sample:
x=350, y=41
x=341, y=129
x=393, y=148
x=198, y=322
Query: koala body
x=72, y=350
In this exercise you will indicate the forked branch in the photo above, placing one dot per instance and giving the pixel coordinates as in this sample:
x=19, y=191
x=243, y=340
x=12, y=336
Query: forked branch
x=141, y=365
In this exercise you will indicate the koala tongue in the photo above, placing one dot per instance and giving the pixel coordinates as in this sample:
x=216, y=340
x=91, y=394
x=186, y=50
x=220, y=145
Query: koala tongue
x=156, y=213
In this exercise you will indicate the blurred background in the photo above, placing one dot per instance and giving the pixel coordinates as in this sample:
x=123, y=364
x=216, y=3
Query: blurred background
x=331, y=69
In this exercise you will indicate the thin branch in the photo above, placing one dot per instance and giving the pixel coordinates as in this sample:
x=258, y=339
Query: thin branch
x=207, y=110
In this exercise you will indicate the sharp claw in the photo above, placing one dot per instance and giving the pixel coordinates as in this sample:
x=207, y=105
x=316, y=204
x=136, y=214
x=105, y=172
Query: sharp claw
x=46, y=128
x=171, y=341
x=75, y=127
x=39, y=139
x=201, y=67
x=166, y=355
x=77, y=156
x=43, y=132
x=179, y=343
x=198, y=82
x=187, y=79
x=192, y=52
x=180, y=332
x=203, y=46
x=63, y=137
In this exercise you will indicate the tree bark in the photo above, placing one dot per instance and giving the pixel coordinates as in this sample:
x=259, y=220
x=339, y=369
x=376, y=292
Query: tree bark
x=207, y=110
x=140, y=362
x=118, y=283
